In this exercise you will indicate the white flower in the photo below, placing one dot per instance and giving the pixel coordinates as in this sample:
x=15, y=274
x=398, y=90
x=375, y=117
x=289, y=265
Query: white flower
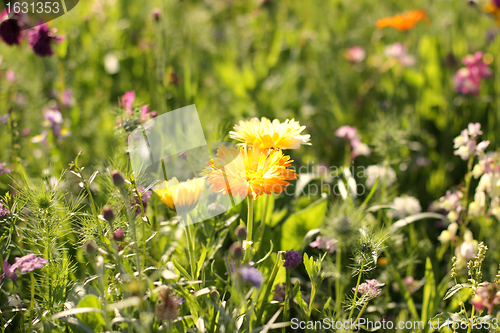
x=445, y=237
x=404, y=206
x=477, y=171
x=452, y=216
x=469, y=246
x=482, y=146
x=14, y=300
x=474, y=129
x=474, y=209
x=385, y=173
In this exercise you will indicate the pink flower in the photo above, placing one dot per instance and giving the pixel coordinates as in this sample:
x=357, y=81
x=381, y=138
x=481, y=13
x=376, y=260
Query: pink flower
x=486, y=297
x=323, y=243
x=346, y=132
x=476, y=64
x=40, y=40
x=355, y=54
x=468, y=79
x=146, y=114
x=399, y=52
x=370, y=288
x=10, y=76
x=359, y=148
x=28, y=263
x=127, y=100
x=8, y=271
x=3, y=169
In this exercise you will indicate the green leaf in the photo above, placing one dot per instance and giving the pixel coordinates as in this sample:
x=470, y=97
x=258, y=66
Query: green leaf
x=455, y=289
x=94, y=320
x=429, y=290
x=299, y=224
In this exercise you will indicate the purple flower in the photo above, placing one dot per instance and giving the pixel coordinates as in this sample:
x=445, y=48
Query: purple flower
x=3, y=119
x=29, y=263
x=252, y=275
x=40, y=40
x=67, y=98
x=346, y=132
x=8, y=271
x=127, y=100
x=146, y=197
x=10, y=31
x=3, y=170
x=370, y=288
x=4, y=211
x=323, y=243
x=52, y=117
x=292, y=259
x=279, y=292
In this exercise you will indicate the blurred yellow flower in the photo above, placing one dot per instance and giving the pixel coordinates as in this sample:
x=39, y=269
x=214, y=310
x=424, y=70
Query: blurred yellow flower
x=492, y=7
x=404, y=21
x=256, y=171
x=180, y=196
x=270, y=134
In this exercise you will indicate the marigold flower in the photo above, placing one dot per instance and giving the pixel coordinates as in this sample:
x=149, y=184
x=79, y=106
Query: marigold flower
x=270, y=134
x=249, y=171
x=404, y=21
x=180, y=196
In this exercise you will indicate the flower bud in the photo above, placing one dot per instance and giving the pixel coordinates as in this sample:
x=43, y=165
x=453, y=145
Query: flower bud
x=236, y=251
x=241, y=233
x=118, y=179
x=156, y=14
x=90, y=248
x=119, y=235
x=108, y=214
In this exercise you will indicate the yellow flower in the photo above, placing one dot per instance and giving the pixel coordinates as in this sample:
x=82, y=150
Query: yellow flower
x=493, y=9
x=249, y=171
x=270, y=134
x=180, y=196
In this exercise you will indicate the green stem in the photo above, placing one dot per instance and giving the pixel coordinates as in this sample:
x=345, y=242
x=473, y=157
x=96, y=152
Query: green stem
x=471, y=321
x=311, y=301
x=133, y=228
x=274, y=273
x=190, y=243
x=338, y=287
x=248, y=250
x=360, y=313
x=356, y=293
x=32, y=302
x=287, y=297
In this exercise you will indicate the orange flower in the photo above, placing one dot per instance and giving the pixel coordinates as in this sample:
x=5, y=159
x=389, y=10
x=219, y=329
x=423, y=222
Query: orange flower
x=404, y=21
x=493, y=9
x=249, y=171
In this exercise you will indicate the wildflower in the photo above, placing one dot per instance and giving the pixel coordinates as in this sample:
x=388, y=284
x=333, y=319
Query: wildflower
x=10, y=75
x=448, y=234
x=119, y=235
x=4, y=169
x=410, y=283
x=236, y=251
x=252, y=275
x=146, y=197
x=359, y=149
x=127, y=100
x=180, y=196
x=346, y=132
x=146, y=114
x=279, y=292
x=269, y=134
x=249, y=171
x=469, y=247
x=8, y=271
x=240, y=232
x=108, y=214
x=40, y=40
x=183, y=155
x=156, y=14
x=168, y=305
x=292, y=259
x=399, y=51
x=487, y=296
x=4, y=211
x=322, y=243
x=405, y=206
x=402, y=22
x=386, y=174
x=468, y=79
x=29, y=263
x=118, y=179
x=10, y=31
x=370, y=288
x=67, y=98
x=481, y=147
x=4, y=118
x=14, y=300
x=355, y=54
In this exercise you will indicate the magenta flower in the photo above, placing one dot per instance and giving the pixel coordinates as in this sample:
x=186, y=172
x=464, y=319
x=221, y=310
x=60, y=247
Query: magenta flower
x=127, y=101
x=10, y=31
x=322, y=243
x=355, y=54
x=279, y=292
x=4, y=211
x=8, y=271
x=468, y=79
x=40, y=40
x=146, y=114
x=3, y=169
x=370, y=288
x=359, y=148
x=346, y=132
x=28, y=263
x=292, y=259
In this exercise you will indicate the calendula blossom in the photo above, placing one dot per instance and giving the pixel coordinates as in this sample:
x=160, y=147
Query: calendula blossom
x=180, y=196
x=249, y=171
x=270, y=134
x=404, y=21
